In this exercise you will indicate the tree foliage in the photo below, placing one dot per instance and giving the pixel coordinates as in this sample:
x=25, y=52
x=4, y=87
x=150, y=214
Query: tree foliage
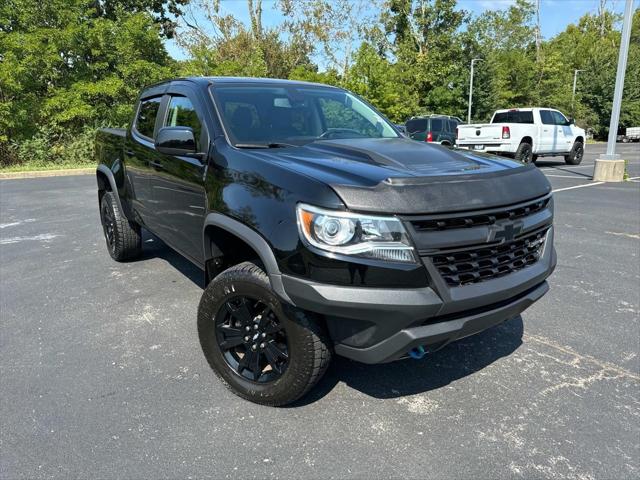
x=67, y=66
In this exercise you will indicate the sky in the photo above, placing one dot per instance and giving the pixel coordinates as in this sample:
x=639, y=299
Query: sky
x=555, y=15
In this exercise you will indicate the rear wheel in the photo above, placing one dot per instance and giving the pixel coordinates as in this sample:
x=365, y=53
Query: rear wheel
x=262, y=351
x=575, y=155
x=524, y=153
x=123, y=237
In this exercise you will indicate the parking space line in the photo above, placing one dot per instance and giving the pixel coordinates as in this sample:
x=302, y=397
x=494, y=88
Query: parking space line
x=593, y=184
x=564, y=176
x=563, y=167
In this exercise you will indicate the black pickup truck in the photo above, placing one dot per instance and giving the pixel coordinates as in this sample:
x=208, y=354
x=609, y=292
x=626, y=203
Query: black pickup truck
x=319, y=228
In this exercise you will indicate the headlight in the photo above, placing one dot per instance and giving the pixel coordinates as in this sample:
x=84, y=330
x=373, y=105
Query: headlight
x=380, y=238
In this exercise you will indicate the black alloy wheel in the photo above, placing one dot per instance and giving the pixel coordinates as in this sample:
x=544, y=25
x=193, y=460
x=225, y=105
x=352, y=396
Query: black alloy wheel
x=263, y=350
x=108, y=225
x=252, y=339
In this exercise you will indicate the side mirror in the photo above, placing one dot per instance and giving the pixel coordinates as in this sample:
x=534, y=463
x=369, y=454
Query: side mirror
x=572, y=121
x=176, y=141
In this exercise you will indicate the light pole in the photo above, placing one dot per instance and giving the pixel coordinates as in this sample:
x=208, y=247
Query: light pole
x=471, y=88
x=610, y=167
x=622, y=65
x=573, y=95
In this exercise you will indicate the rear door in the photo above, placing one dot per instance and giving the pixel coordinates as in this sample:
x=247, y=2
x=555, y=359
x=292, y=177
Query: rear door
x=178, y=185
x=564, y=133
x=451, y=131
x=140, y=157
x=548, y=135
x=437, y=129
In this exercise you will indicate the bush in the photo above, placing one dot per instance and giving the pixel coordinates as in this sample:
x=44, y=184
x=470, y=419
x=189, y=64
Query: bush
x=46, y=151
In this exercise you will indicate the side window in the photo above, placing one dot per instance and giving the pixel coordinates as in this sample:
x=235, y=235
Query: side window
x=546, y=117
x=436, y=125
x=182, y=113
x=559, y=119
x=452, y=126
x=146, y=119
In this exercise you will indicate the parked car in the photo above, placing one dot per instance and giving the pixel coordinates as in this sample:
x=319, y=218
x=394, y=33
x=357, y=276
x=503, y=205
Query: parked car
x=319, y=228
x=433, y=129
x=526, y=134
x=631, y=134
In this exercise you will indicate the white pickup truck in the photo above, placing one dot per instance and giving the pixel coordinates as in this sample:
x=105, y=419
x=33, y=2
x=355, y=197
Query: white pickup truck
x=525, y=134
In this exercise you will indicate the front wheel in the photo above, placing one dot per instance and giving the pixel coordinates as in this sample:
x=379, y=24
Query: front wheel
x=575, y=155
x=262, y=351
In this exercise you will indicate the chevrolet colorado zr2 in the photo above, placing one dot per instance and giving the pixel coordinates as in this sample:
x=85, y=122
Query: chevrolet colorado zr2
x=319, y=228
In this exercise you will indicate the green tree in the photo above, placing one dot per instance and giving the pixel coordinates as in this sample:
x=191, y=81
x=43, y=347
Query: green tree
x=69, y=64
x=222, y=45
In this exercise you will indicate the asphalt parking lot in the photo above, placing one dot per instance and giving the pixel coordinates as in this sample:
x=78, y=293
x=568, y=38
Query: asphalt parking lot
x=102, y=374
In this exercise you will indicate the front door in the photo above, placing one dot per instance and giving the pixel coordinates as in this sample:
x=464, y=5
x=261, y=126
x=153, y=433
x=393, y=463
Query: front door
x=178, y=185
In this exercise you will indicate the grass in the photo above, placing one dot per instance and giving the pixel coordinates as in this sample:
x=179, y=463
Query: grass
x=37, y=166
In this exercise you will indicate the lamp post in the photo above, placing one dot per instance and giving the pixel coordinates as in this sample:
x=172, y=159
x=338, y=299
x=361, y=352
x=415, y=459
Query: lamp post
x=573, y=95
x=471, y=88
x=610, y=167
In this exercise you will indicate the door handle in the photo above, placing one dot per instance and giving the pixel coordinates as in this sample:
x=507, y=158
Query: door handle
x=156, y=165
x=129, y=153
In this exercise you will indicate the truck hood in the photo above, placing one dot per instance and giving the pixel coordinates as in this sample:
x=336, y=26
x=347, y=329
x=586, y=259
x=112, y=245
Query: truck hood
x=402, y=176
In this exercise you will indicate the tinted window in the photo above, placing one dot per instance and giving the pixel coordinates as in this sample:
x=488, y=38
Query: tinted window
x=452, y=125
x=181, y=113
x=147, y=114
x=559, y=119
x=437, y=125
x=513, y=117
x=546, y=117
x=417, y=125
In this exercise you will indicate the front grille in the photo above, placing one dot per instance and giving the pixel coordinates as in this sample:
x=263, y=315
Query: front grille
x=474, y=220
x=479, y=263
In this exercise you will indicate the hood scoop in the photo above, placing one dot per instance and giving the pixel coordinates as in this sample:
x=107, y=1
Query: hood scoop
x=408, y=157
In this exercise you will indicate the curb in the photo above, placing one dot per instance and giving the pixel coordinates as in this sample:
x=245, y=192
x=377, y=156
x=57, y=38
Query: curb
x=47, y=173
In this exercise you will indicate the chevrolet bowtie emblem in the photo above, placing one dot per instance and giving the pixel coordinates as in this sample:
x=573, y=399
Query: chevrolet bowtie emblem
x=507, y=232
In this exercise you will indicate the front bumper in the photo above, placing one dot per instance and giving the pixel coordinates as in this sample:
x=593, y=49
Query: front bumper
x=377, y=325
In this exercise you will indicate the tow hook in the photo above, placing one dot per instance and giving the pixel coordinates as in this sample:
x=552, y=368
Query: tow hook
x=417, y=353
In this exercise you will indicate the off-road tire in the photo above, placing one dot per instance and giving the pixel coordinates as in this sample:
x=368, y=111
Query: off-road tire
x=524, y=153
x=308, y=345
x=575, y=155
x=126, y=243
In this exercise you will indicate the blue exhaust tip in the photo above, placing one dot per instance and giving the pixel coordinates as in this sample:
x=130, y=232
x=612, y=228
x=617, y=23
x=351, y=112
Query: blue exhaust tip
x=417, y=353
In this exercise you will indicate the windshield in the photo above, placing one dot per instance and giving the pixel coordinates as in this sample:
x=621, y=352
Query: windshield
x=257, y=116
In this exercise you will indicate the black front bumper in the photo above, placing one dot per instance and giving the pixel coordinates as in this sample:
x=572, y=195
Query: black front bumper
x=377, y=325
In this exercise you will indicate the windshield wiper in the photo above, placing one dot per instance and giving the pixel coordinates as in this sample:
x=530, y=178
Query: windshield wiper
x=265, y=145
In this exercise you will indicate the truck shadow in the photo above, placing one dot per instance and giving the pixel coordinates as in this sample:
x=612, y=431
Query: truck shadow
x=153, y=247
x=409, y=377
